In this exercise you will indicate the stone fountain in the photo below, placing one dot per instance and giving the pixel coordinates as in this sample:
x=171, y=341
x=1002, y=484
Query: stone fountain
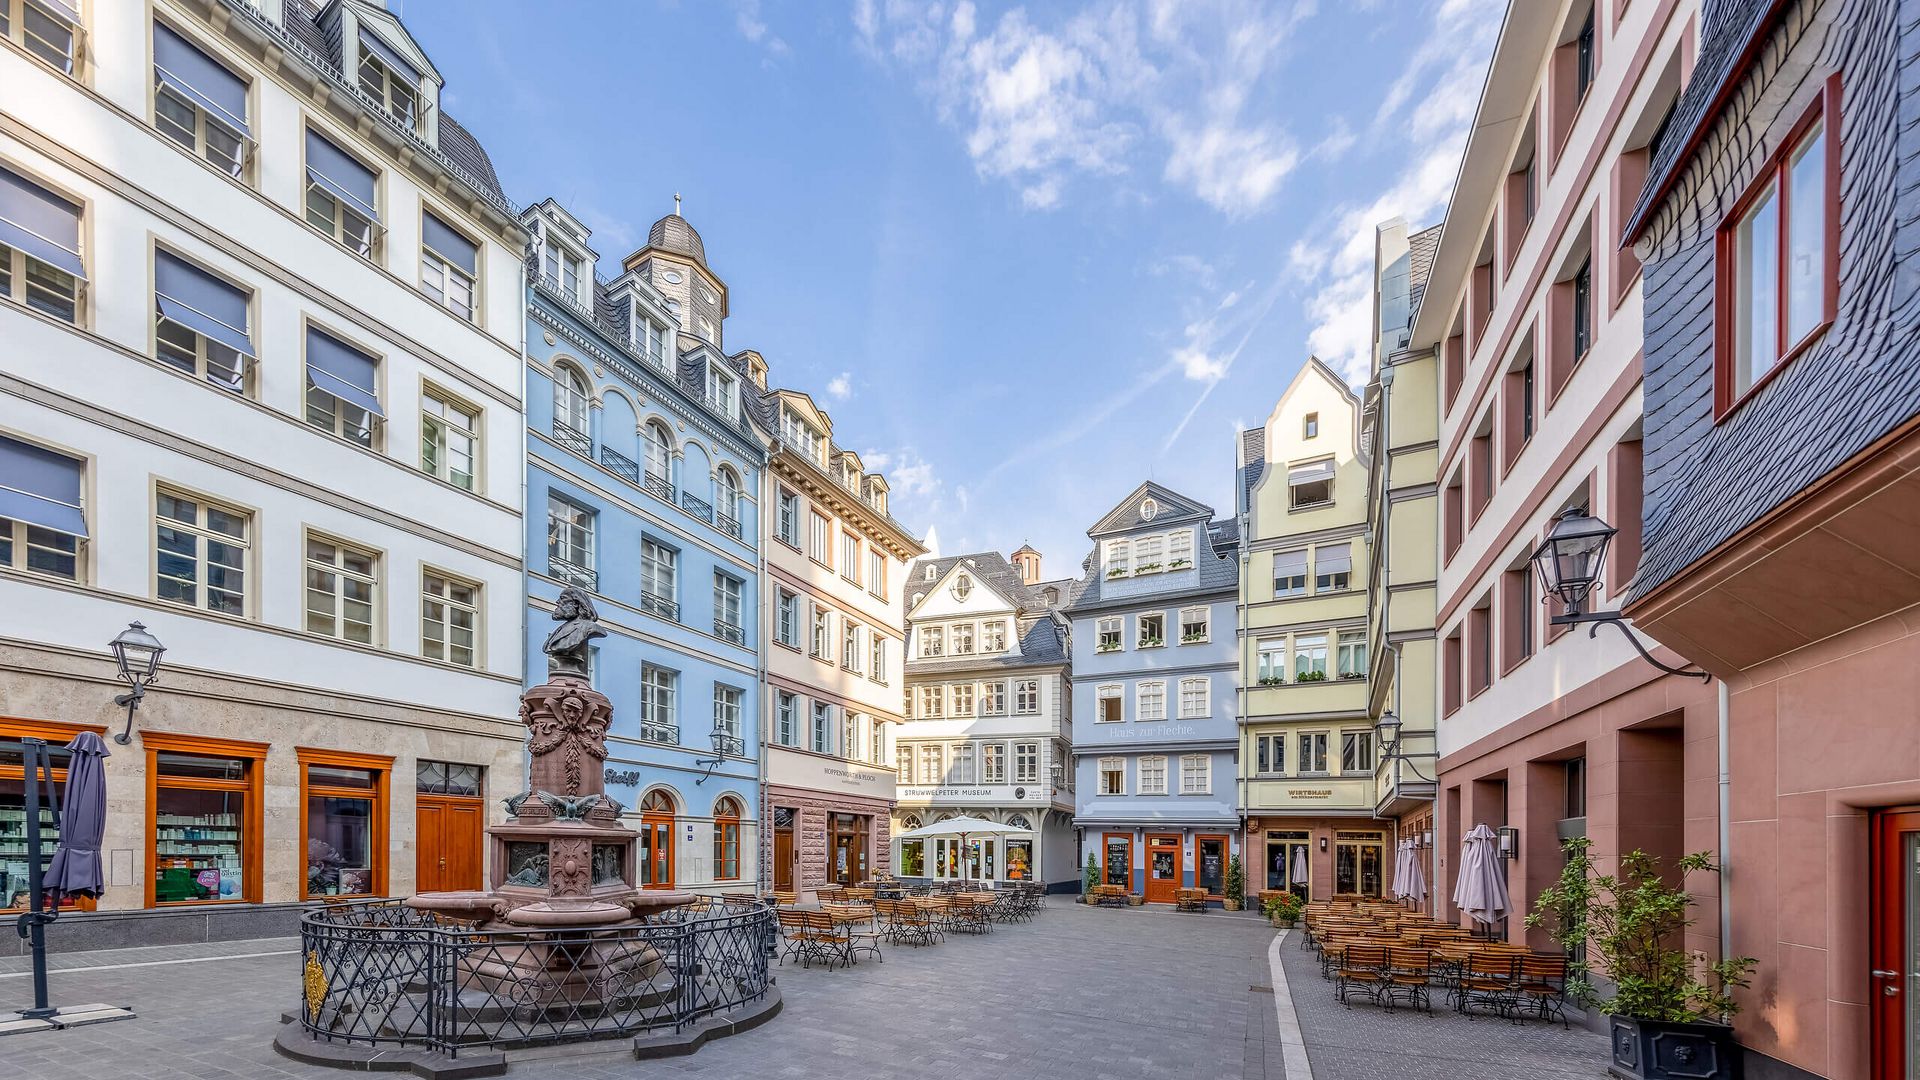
x=562, y=862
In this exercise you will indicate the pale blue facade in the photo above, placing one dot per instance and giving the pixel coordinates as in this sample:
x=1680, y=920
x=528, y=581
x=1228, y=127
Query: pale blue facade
x=1155, y=681
x=671, y=560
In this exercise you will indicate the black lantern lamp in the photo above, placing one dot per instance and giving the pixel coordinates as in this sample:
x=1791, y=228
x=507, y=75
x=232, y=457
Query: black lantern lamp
x=1569, y=561
x=724, y=742
x=137, y=653
x=1387, y=734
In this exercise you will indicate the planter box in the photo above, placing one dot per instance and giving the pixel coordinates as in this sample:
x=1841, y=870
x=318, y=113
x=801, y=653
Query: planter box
x=1657, y=1050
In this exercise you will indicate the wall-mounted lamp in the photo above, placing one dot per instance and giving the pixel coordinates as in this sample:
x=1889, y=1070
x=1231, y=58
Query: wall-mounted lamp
x=1426, y=839
x=137, y=654
x=1569, y=561
x=1509, y=841
x=724, y=743
x=1323, y=843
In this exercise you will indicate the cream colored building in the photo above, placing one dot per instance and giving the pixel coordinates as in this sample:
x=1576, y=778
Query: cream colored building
x=262, y=302
x=835, y=563
x=1307, y=776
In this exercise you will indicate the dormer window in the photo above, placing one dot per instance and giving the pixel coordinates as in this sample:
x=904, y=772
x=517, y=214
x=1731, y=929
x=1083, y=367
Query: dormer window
x=719, y=389
x=560, y=267
x=389, y=80
x=46, y=29
x=649, y=338
x=799, y=434
x=930, y=574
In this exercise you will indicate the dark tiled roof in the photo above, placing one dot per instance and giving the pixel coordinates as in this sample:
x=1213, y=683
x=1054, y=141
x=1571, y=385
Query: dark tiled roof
x=1729, y=28
x=1042, y=642
x=1421, y=248
x=465, y=151
x=764, y=407
x=1217, y=573
x=1253, y=456
x=990, y=567
x=1224, y=533
x=674, y=233
x=1173, y=506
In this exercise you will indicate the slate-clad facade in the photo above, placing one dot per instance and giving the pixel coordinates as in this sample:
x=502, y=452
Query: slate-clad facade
x=1782, y=504
x=643, y=469
x=1155, y=680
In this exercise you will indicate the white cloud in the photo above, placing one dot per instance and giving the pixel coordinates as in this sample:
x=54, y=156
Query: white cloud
x=1426, y=111
x=840, y=387
x=747, y=19
x=1094, y=92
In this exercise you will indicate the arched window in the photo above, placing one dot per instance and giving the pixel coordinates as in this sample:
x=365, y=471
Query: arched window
x=1018, y=821
x=726, y=493
x=657, y=801
x=910, y=823
x=944, y=817
x=726, y=838
x=570, y=400
x=659, y=451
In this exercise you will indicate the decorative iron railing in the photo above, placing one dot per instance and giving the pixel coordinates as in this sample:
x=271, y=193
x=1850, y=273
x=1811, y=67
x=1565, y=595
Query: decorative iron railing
x=727, y=631
x=380, y=973
x=657, y=486
x=626, y=467
x=659, y=605
x=729, y=745
x=572, y=438
x=728, y=524
x=697, y=506
x=573, y=573
x=657, y=732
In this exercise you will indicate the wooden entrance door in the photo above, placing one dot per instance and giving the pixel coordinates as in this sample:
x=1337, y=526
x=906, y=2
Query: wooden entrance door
x=1895, y=944
x=783, y=849
x=656, y=852
x=1163, y=868
x=449, y=834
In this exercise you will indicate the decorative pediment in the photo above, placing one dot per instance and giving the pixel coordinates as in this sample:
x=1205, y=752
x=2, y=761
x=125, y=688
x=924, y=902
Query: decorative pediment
x=1150, y=505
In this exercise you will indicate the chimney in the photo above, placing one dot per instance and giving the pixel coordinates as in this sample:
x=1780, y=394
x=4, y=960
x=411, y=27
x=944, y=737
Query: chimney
x=1027, y=562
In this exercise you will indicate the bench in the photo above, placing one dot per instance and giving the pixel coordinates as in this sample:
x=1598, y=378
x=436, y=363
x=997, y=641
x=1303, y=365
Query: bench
x=1190, y=899
x=1109, y=895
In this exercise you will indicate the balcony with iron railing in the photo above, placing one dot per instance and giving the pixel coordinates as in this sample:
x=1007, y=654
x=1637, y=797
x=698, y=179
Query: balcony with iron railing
x=572, y=573
x=728, y=524
x=622, y=465
x=695, y=505
x=729, y=745
x=727, y=631
x=658, y=486
x=572, y=438
x=655, y=731
x=655, y=604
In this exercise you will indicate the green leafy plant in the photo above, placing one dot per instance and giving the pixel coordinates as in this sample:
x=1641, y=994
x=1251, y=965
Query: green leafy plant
x=1118, y=571
x=1093, y=874
x=1146, y=568
x=1179, y=564
x=1634, y=922
x=1271, y=680
x=1311, y=676
x=1151, y=642
x=1236, y=878
x=1285, y=907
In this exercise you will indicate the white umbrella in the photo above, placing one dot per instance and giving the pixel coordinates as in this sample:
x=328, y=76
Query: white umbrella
x=1300, y=865
x=1400, y=859
x=962, y=827
x=1481, y=891
x=1416, y=887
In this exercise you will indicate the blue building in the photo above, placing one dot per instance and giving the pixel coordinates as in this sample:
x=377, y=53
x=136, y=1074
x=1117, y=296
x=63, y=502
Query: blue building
x=1155, y=682
x=641, y=473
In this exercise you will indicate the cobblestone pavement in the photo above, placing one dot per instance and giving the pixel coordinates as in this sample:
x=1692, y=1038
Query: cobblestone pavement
x=1076, y=994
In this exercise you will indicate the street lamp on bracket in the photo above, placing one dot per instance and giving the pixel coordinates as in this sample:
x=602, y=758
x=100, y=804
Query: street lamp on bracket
x=1568, y=563
x=136, y=654
x=724, y=742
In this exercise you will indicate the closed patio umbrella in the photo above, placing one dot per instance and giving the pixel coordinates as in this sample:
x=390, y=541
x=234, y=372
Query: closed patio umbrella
x=1402, y=857
x=1300, y=865
x=1482, y=890
x=75, y=869
x=1416, y=888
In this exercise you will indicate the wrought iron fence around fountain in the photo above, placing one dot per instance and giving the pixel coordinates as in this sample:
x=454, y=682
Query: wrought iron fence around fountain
x=380, y=973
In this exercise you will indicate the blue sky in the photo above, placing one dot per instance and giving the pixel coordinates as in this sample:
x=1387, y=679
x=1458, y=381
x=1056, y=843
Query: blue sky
x=1026, y=256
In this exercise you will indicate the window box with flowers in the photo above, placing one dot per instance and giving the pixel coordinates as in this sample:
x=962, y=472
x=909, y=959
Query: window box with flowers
x=1179, y=564
x=1151, y=643
x=1106, y=648
x=1147, y=568
x=1311, y=676
x=1194, y=638
x=1353, y=674
x=1118, y=571
x=1272, y=680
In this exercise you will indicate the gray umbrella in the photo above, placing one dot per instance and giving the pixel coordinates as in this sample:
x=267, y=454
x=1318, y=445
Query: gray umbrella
x=75, y=870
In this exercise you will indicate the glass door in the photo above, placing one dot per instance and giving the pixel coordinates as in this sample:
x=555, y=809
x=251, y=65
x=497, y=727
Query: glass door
x=1287, y=862
x=1358, y=859
x=1118, y=860
x=656, y=852
x=1210, y=864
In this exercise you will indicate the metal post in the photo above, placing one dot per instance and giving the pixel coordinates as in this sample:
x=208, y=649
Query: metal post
x=32, y=924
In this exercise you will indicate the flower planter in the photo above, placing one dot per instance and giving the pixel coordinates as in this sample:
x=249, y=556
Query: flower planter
x=1657, y=1050
x=1135, y=899
x=1230, y=904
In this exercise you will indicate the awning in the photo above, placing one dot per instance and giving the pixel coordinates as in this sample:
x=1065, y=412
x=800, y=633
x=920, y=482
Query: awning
x=340, y=174
x=1333, y=559
x=40, y=223
x=1311, y=472
x=199, y=78
x=201, y=302
x=41, y=487
x=65, y=9
x=450, y=244
x=391, y=58
x=342, y=370
x=1290, y=563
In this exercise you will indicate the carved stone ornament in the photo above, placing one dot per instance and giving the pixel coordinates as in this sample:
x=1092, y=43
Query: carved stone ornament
x=567, y=737
x=571, y=871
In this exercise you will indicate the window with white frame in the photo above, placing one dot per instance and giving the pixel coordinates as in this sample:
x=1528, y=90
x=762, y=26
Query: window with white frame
x=449, y=439
x=1356, y=751
x=1153, y=774
x=449, y=265
x=1150, y=700
x=787, y=518
x=198, y=100
x=1309, y=657
x=850, y=557
x=726, y=496
x=1270, y=752
x=800, y=434
x=45, y=523
x=1272, y=661
x=720, y=389
x=1195, y=625
x=343, y=396
x=1180, y=549
x=993, y=763
x=1026, y=697
x=659, y=578
x=656, y=450
x=341, y=196
x=961, y=695
x=40, y=268
x=1313, y=752
x=560, y=267
x=962, y=639
x=1109, y=634
x=571, y=407
x=786, y=625
x=1310, y=485
x=1195, y=697
x=1352, y=659
x=1148, y=557
x=389, y=79
x=960, y=764
x=1118, y=561
x=878, y=734
x=850, y=646
x=200, y=553
x=903, y=766
x=1026, y=763
x=851, y=744
x=726, y=709
x=786, y=718
x=1196, y=774
x=1332, y=568
x=876, y=571
x=727, y=600
x=1113, y=776
x=1289, y=574
x=819, y=530
x=933, y=702
x=569, y=541
x=933, y=641
x=342, y=590
x=658, y=688
x=993, y=636
x=877, y=671
x=993, y=698
x=819, y=646
x=449, y=619
x=822, y=741
x=201, y=323
x=931, y=767
x=1150, y=630
x=1107, y=705
x=49, y=29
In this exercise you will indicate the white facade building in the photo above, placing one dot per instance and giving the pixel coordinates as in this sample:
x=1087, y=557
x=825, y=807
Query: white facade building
x=263, y=306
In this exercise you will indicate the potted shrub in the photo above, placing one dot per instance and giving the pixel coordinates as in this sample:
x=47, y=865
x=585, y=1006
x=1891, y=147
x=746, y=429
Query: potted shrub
x=1669, y=1011
x=1271, y=680
x=1311, y=676
x=1283, y=910
x=1092, y=879
x=1236, y=885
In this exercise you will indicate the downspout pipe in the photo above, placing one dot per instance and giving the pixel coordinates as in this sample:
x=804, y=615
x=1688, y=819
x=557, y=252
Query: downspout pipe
x=1726, y=820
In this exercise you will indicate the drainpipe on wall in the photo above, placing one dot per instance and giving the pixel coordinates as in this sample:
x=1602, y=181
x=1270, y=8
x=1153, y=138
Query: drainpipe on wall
x=764, y=619
x=1726, y=827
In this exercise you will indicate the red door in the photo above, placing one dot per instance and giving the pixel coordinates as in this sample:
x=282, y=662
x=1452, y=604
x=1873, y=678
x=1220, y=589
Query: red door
x=1895, y=950
x=656, y=852
x=1163, y=868
x=451, y=831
